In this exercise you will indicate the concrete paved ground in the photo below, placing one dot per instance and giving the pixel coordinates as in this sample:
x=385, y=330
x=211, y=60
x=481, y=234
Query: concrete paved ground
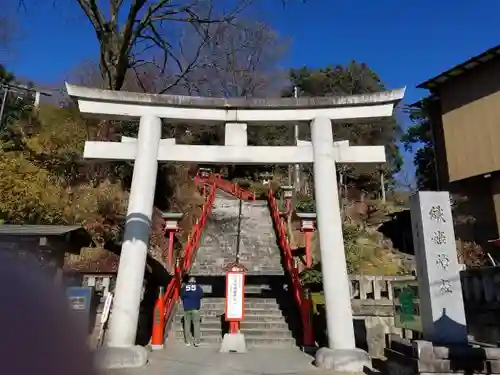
x=177, y=359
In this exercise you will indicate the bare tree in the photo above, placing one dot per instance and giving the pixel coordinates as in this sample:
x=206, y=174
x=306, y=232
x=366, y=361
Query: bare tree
x=149, y=35
x=241, y=60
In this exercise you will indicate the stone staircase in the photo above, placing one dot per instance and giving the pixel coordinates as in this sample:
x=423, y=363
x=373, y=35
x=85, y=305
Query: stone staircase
x=264, y=324
x=270, y=318
x=259, y=252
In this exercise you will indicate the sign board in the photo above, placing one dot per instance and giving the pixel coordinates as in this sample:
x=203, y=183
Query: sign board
x=80, y=299
x=235, y=284
x=406, y=305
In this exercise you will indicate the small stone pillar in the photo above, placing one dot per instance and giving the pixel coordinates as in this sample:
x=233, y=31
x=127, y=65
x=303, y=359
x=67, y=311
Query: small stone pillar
x=287, y=198
x=266, y=178
x=307, y=226
x=202, y=175
x=172, y=220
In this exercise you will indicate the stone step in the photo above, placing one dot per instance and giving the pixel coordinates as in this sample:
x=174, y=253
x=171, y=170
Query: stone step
x=248, y=318
x=248, y=305
x=216, y=321
x=250, y=289
x=256, y=289
x=250, y=333
x=253, y=325
x=247, y=300
x=251, y=342
x=248, y=313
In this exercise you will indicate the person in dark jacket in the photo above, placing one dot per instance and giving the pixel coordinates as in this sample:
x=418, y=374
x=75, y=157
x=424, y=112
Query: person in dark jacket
x=191, y=295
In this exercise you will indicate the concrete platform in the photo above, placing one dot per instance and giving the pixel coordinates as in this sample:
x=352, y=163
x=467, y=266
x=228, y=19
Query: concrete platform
x=177, y=359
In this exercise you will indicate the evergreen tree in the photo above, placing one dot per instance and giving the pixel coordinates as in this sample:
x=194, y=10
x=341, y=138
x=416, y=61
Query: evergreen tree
x=353, y=79
x=418, y=139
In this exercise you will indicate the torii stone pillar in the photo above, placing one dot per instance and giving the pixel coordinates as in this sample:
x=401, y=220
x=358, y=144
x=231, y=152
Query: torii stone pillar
x=333, y=262
x=133, y=256
x=148, y=149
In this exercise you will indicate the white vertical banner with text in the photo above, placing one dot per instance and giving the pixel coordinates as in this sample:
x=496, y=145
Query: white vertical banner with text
x=235, y=283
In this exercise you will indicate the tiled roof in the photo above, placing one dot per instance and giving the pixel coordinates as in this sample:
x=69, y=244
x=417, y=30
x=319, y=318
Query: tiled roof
x=459, y=69
x=92, y=261
x=37, y=230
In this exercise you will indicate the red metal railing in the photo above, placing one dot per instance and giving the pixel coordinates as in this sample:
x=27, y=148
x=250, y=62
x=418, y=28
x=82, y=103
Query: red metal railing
x=184, y=264
x=228, y=186
x=304, y=303
x=233, y=189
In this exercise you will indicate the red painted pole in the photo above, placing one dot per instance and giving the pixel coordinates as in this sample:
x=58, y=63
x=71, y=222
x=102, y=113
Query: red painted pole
x=234, y=327
x=308, y=250
x=158, y=322
x=306, y=310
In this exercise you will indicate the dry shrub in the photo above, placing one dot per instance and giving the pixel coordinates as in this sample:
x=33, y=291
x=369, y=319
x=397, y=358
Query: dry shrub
x=471, y=254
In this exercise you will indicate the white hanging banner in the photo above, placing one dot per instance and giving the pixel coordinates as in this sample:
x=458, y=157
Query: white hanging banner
x=235, y=284
x=107, y=308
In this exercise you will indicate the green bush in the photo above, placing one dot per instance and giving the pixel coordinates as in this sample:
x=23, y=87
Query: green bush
x=312, y=277
x=260, y=190
x=257, y=187
x=243, y=183
x=304, y=203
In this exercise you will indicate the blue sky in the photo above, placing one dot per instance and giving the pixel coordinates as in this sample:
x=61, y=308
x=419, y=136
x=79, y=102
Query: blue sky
x=405, y=42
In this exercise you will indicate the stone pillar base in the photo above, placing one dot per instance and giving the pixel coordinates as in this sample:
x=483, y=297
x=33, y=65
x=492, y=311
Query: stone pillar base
x=157, y=347
x=342, y=360
x=117, y=358
x=309, y=349
x=233, y=343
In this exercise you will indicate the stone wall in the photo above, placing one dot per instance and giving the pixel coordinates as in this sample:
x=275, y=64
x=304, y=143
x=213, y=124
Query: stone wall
x=481, y=290
x=373, y=311
x=372, y=305
x=405, y=357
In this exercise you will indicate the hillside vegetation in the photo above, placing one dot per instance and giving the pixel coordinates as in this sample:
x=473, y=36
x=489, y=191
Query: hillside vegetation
x=44, y=179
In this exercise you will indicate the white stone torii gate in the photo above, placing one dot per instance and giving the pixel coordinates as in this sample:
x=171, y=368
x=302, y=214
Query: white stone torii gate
x=322, y=151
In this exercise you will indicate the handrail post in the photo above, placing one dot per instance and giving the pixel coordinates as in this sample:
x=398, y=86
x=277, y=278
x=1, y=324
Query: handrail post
x=158, y=322
x=308, y=339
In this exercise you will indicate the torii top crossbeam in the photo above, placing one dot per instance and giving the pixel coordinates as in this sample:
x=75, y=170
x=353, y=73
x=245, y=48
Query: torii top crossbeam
x=119, y=105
